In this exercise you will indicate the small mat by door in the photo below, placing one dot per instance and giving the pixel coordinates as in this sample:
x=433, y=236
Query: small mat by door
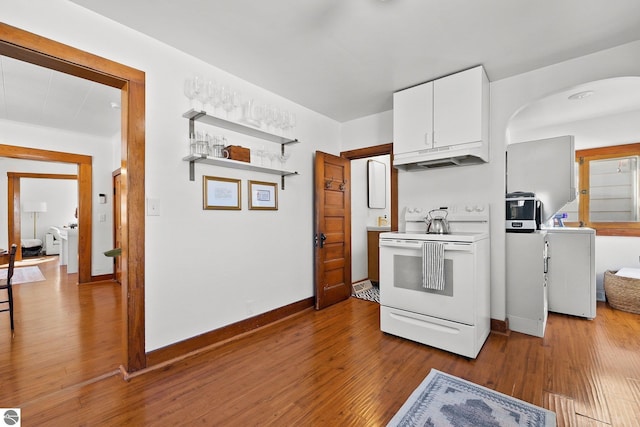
x=24, y=275
x=366, y=291
x=446, y=401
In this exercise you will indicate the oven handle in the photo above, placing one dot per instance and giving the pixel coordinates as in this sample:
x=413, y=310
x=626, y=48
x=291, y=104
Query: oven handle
x=412, y=244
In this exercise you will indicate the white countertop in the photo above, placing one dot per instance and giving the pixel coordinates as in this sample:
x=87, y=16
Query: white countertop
x=383, y=228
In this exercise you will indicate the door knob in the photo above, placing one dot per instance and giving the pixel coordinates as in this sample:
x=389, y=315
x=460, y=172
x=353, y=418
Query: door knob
x=322, y=239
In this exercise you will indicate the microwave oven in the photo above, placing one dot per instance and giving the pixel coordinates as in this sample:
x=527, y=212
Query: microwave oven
x=523, y=212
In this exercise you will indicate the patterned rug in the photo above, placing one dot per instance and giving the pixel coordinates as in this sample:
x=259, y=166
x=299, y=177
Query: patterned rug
x=23, y=275
x=372, y=294
x=443, y=400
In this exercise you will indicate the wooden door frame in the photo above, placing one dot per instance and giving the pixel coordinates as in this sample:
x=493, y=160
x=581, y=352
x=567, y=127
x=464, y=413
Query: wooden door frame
x=116, y=260
x=380, y=150
x=29, y=47
x=14, y=212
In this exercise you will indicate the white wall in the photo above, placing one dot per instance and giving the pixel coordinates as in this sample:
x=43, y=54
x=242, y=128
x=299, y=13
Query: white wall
x=100, y=149
x=203, y=269
x=367, y=131
x=61, y=197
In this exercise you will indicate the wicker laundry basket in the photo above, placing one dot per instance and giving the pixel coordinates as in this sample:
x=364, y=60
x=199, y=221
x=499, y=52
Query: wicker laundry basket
x=623, y=293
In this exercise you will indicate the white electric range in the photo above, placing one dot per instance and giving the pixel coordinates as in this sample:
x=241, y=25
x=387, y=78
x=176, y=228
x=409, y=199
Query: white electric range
x=455, y=318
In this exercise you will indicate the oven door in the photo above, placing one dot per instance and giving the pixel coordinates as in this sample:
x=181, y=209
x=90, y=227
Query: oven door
x=401, y=280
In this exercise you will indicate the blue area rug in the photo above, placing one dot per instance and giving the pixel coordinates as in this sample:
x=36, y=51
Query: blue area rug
x=443, y=400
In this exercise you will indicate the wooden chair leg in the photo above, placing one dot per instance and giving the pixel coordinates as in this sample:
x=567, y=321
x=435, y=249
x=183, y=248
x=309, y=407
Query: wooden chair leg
x=10, y=291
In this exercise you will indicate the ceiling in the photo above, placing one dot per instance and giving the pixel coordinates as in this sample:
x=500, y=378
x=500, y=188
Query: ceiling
x=345, y=58
x=340, y=58
x=609, y=114
x=44, y=97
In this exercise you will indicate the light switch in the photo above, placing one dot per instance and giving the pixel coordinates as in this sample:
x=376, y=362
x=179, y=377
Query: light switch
x=153, y=207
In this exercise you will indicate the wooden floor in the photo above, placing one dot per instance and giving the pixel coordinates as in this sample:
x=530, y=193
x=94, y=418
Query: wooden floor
x=327, y=368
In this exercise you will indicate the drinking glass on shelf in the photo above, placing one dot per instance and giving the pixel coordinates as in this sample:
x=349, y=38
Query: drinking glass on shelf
x=192, y=144
x=202, y=146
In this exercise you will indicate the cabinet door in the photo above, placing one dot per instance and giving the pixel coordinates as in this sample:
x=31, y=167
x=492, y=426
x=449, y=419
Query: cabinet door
x=373, y=255
x=458, y=108
x=413, y=119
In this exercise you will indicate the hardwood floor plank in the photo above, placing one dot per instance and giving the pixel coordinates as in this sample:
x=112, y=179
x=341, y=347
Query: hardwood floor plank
x=564, y=409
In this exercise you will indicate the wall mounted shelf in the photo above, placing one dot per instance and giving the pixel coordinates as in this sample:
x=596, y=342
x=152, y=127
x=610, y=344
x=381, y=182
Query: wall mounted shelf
x=203, y=117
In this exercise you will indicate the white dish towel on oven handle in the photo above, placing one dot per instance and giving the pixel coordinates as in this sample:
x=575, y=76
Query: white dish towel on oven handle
x=433, y=265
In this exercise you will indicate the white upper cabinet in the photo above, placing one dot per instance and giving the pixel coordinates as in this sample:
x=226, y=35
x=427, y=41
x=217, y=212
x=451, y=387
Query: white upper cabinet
x=413, y=118
x=459, y=112
x=449, y=111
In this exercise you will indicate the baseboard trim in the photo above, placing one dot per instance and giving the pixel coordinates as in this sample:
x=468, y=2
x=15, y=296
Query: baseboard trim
x=500, y=326
x=198, y=343
x=102, y=278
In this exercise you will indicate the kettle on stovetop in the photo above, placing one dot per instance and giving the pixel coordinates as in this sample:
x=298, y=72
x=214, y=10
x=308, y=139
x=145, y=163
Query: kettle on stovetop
x=437, y=224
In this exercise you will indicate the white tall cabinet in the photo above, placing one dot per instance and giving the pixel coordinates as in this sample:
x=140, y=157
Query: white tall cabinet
x=527, y=291
x=448, y=111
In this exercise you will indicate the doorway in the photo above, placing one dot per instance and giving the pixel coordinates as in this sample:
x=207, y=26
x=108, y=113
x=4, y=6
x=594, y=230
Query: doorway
x=84, y=199
x=28, y=47
x=374, y=151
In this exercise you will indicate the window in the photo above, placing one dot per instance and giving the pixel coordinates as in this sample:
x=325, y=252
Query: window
x=608, y=190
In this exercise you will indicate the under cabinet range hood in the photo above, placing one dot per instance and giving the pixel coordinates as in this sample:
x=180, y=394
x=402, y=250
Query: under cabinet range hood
x=453, y=155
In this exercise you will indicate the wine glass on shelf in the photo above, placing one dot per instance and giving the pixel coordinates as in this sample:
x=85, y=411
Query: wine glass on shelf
x=211, y=91
x=260, y=153
x=286, y=121
x=227, y=99
x=292, y=122
x=283, y=159
x=272, y=155
x=198, y=88
x=259, y=114
x=189, y=91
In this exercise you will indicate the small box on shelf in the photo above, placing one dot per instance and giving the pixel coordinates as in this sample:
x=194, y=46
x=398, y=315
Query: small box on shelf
x=239, y=153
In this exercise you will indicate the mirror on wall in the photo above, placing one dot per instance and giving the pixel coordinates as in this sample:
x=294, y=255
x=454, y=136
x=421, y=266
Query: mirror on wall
x=377, y=184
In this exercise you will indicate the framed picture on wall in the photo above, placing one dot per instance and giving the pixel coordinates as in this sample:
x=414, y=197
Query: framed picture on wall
x=263, y=195
x=220, y=193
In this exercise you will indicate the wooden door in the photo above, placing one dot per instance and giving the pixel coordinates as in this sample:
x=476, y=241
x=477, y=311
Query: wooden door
x=332, y=229
x=117, y=224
